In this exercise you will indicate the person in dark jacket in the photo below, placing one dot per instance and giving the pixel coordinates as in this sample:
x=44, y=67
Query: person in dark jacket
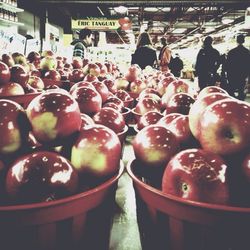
x=238, y=69
x=207, y=64
x=144, y=54
x=84, y=41
x=176, y=65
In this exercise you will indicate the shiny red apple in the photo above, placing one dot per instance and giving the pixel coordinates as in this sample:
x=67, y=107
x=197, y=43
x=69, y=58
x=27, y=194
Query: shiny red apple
x=54, y=116
x=96, y=152
x=197, y=175
x=19, y=74
x=40, y=176
x=11, y=88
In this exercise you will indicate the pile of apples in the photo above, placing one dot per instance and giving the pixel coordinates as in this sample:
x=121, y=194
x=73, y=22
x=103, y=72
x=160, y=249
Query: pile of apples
x=193, y=144
x=69, y=137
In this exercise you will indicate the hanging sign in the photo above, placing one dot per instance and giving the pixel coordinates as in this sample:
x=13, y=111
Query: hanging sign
x=96, y=24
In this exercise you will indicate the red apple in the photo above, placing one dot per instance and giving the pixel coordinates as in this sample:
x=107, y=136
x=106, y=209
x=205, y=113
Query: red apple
x=19, y=74
x=102, y=89
x=147, y=104
x=149, y=118
x=53, y=75
x=167, y=119
x=76, y=75
x=39, y=176
x=96, y=152
x=110, y=118
x=14, y=126
x=154, y=145
x=211, y=89
x=113, y=106
x=133, y=73
x=137, y=86
x=33, y=56
x=88, y=99
x=225, y=127
x=115, y=100
x=81, y=84
x=175, y=87
x=163, y=84
x=36, y=82
x=11, y=88
x=8, y=60
x=91, y=69
x=179, y=103
x=110, y=85
x=4, y=73
x=54, y=116
x=77, y=63
x=128, y=101
x=198, y=108
x=86, y=121
x=197, y=175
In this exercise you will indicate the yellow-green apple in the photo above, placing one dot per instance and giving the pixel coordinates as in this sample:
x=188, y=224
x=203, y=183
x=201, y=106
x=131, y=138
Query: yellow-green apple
x=154, y=145
x=48, y=63
x=91, y=69
x=225, y=127
x=197, y=175
x=14, y=126
x=96, y=152
x=88, y=99
x=19, y=58
x=4, y=73
x=121, y=83
x=198, y=108
x=11, y=88
x=54, y=116
x=47, y=53
x=36, y=82
x=40, y=176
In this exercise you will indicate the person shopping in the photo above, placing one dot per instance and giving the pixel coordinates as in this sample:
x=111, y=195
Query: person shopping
x=144, y=54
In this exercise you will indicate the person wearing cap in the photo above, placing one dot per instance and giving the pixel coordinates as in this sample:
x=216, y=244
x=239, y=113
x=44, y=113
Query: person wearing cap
x=84, y=41
x=207, y=64
x=238, y=69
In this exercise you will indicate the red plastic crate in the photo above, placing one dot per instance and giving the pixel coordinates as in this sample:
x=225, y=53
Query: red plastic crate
x=171, y=223
x=81, y=221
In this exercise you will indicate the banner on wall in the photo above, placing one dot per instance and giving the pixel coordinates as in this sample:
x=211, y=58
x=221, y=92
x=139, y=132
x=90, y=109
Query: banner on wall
x=102, y=24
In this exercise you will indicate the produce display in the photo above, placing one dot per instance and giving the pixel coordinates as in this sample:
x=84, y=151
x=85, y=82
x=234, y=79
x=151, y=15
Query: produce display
x=83, y=107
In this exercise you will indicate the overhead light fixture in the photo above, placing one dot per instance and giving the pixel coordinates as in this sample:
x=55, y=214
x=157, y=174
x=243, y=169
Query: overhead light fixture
x=179, y=31
x=226, y=20
x=121, y=9
x=151, y=9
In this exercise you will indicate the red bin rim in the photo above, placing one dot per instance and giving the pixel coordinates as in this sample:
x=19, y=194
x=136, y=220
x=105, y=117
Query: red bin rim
x=68, y=199
x=167, y=197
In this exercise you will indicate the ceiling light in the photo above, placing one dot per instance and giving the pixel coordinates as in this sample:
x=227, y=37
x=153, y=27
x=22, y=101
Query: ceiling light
x=121, y=9
x=151, y=9
x=179, y=31
x=226, y=20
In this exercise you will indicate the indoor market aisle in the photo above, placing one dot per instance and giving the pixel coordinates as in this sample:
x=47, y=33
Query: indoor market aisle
x=125, y=231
